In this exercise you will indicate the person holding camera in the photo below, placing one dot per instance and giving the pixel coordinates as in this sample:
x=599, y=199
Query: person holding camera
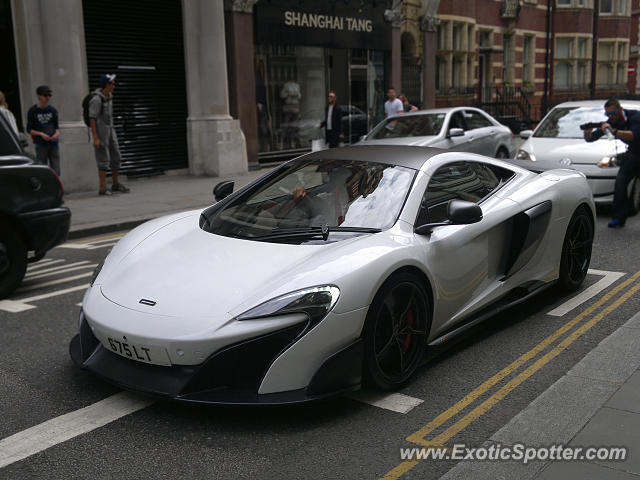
x=623, y=125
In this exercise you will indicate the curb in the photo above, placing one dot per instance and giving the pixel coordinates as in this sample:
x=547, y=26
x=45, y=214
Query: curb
x=560, y=413
x=82, y=232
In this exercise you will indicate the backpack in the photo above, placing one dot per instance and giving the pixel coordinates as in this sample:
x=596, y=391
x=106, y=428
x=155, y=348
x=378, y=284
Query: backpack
x=85, y=107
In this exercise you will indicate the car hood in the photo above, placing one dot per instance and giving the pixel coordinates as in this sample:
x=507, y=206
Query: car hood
x=187, y=271
x=412, y=141
x=550, y=151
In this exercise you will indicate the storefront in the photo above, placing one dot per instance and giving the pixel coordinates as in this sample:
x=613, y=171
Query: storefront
x=302, y=50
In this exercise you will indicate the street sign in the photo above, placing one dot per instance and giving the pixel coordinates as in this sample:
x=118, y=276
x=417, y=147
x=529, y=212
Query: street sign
x=631, y=69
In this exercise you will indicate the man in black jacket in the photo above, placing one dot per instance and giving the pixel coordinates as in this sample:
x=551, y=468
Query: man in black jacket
x=332, y=121
x=624, y=125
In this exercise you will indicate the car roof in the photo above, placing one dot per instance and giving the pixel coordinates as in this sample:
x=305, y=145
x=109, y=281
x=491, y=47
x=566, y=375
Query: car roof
x=598, y=103
x=444, y=110
x=402, y=155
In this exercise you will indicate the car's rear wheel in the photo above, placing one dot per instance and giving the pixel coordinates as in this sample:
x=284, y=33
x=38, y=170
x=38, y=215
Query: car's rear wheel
x=395, y=331
x=13, y=259
x=634, y=196
x=576, y=250
x=502, y=153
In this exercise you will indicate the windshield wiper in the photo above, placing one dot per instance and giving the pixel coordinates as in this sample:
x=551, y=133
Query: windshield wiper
x=311, y=232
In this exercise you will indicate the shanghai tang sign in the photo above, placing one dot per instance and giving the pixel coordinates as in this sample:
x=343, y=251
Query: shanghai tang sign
x=328, y=24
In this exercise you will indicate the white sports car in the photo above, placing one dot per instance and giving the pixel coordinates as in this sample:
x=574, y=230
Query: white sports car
x=338, y=268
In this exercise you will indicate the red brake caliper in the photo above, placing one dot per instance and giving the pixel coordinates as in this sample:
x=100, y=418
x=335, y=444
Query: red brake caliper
x=407, y=341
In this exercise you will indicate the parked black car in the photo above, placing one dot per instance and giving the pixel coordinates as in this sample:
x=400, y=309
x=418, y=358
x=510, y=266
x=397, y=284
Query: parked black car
x=32, y=220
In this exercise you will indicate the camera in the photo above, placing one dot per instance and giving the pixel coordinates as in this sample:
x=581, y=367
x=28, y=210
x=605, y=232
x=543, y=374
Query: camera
x=590, y=125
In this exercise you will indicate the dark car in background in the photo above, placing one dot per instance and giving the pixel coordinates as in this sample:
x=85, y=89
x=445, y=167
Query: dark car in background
x=32, y=218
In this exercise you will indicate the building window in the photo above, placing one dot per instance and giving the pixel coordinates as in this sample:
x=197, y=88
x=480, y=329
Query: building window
x=486, y=38
x=456, y=51
x=508, y=55
x=570, y=3
x=615, y=7
x=572, y=57
x=528, y=59
x=613, y=57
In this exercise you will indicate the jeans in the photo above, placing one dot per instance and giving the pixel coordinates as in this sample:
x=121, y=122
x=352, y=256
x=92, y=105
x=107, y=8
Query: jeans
x=628, y=170
x=49, y=155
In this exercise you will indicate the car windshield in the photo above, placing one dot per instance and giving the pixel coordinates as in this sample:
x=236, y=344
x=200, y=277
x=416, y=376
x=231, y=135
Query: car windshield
x=564, y=122
x=409, y=126
x=338, y=194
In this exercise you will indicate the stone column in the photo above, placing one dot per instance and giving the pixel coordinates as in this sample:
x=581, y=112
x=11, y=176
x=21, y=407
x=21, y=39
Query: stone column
x=216, y=142
x=242, y=78
x=394, y=15
x=429, y=28
x=50, y=50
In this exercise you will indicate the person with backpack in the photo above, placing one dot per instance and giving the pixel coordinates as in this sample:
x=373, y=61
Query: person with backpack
x=99, y=112
x=42, y=124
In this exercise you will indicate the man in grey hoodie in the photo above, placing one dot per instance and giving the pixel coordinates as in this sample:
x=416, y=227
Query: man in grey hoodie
x=105, y=142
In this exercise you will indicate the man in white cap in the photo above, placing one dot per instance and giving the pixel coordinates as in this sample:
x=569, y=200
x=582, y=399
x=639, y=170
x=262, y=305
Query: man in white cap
x=105, y=142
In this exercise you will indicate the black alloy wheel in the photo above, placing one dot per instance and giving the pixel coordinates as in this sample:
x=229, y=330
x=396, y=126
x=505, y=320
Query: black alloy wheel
x=576, y=250
x=13, y=259
x=395, y=331
x=502, y=154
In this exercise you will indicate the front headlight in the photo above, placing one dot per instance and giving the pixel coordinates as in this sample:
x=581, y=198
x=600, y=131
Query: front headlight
x=315, y=302
x=524, y=155
x=608, y=162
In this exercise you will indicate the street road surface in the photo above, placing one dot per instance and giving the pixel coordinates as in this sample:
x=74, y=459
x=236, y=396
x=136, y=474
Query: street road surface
x=61, y=422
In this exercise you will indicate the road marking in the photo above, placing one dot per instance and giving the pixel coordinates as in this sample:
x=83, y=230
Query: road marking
x=42, y=263
x=396, y=402
x=587, y=293
x=15, y=306
x=94, y=247
x=52, y=282
x=419, y=436
x=90, y=244
x=58, y=270
x=65, y=427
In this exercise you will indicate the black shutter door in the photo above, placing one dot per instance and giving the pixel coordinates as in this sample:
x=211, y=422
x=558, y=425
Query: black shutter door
x=141, y=42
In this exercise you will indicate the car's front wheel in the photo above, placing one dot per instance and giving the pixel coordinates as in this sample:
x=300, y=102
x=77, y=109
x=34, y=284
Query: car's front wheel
x=576, y=250
x=395, y=331
x=13, y=259
x=502, y=153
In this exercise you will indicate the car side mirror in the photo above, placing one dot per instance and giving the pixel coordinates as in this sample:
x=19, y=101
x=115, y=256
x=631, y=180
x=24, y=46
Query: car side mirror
x=455, y=132
x=222, y=190
x=524, y=134
x=459, y=212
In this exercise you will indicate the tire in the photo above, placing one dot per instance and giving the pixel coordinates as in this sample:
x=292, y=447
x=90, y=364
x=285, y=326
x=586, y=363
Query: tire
x=395, y=331
x=502, y=154
x=576, y=250
x=634, y=196
x=13, y=259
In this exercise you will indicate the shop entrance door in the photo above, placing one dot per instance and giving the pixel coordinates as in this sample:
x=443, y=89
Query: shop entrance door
x=354, y=120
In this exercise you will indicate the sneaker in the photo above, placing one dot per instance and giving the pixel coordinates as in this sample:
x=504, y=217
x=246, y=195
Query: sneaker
x=106, y=192
x=615, y=223
x=118, y=187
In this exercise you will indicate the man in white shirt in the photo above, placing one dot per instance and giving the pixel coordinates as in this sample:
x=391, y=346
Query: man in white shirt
x=392, y=106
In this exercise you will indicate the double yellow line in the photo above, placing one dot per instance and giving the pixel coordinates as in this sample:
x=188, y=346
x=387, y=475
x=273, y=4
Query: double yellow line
x=419, y=437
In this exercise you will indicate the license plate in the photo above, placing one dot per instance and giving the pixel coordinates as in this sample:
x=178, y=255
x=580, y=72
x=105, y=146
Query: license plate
x=141, y=353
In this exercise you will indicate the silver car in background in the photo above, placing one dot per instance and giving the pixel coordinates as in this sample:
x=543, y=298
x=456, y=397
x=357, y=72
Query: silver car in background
x=558, y=142
x=465, y=129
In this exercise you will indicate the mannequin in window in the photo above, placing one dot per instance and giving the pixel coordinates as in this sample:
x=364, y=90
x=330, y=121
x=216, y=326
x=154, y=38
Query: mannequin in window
x=291, y=96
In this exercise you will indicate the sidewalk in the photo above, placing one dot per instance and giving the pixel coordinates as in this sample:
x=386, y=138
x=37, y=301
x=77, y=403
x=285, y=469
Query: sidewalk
x=149, y=198
x=596, y=404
